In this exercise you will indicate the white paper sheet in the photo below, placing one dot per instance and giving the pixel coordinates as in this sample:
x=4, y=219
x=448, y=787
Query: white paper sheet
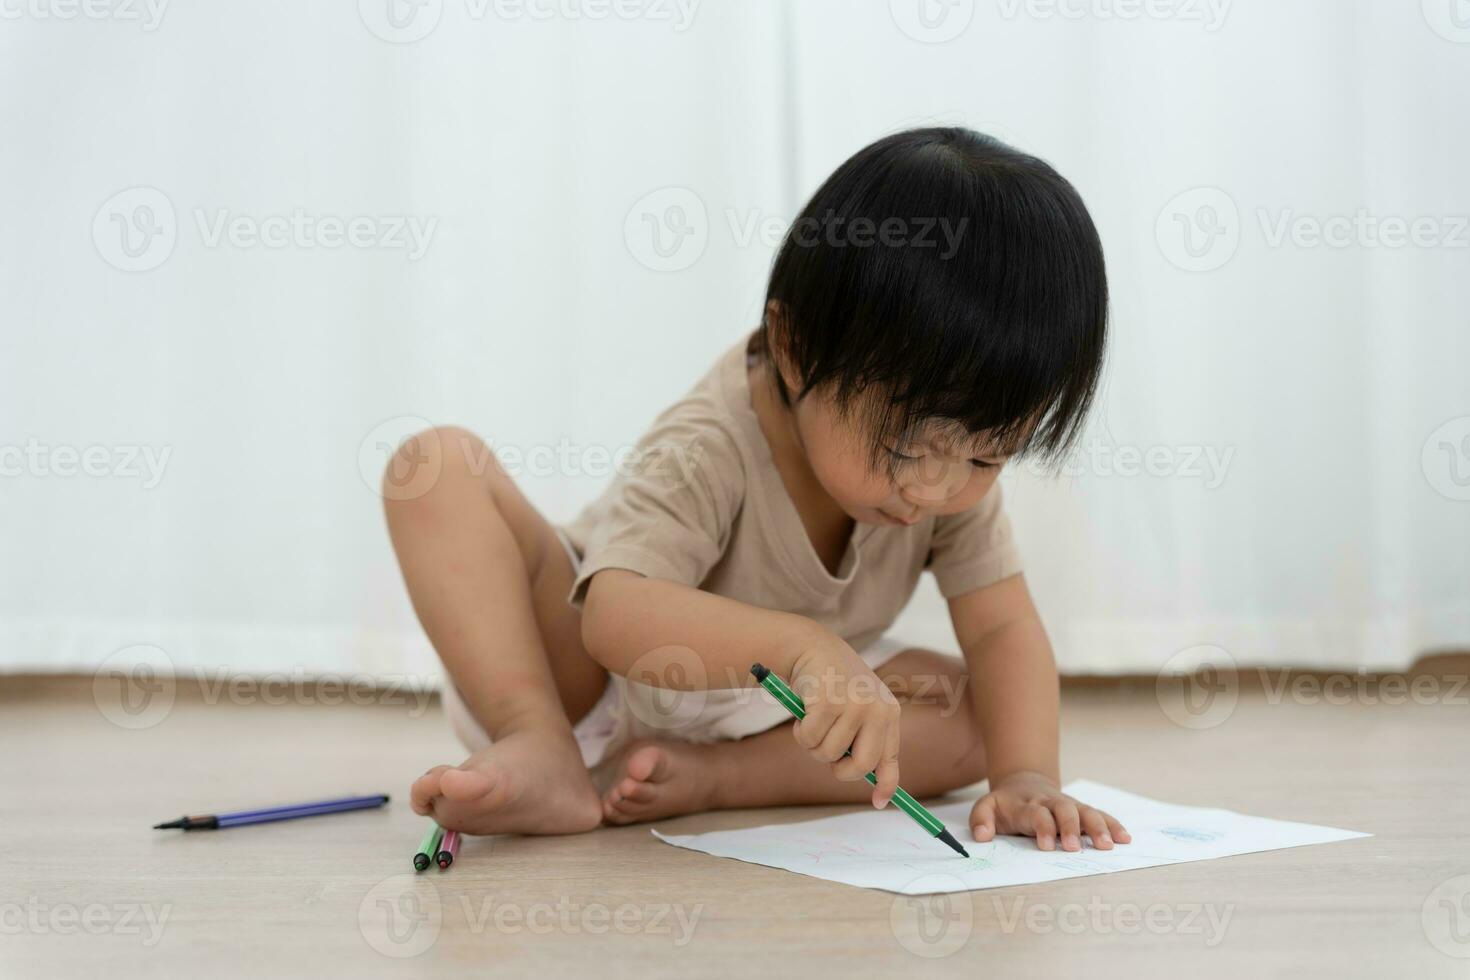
x=886, y=849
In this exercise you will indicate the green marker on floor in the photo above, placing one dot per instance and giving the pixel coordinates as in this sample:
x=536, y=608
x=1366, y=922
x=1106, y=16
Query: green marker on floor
x=428, y=848
x=902, y=800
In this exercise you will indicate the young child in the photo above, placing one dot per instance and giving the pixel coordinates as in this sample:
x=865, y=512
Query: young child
x=938, y=308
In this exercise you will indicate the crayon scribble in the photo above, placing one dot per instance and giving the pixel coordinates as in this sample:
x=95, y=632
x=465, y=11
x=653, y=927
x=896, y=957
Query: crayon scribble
x=1083, y=865
x=1192, y=835
x=982, y=862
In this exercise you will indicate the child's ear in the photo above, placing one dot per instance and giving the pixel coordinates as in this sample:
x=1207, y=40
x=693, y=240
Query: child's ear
x=776, y=341
x=775, y=321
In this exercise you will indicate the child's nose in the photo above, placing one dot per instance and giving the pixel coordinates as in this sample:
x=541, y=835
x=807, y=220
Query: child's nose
x=922, y=498
x=935, y=484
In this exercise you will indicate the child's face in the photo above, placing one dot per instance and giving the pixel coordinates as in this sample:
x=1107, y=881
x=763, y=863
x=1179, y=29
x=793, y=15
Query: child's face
x=931, y=473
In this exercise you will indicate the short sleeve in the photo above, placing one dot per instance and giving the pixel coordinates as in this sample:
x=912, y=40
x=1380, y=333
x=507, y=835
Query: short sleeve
x=670, y=513
x=974, y=548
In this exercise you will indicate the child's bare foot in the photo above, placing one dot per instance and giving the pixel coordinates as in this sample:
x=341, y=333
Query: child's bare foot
x=654, y=778
x=526, y=783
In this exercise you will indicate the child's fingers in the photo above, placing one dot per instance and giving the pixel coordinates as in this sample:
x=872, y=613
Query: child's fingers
x=820, y=713
x=890, y=751
x=806, y=687
x=838, y=740
x=982, y=819
x=866, y=751
x=1043, y=826
x=1120, y=834
x=887, y=773
x=421, y=795
x=1094, y=826
x=1069, y=826
x=810, y=730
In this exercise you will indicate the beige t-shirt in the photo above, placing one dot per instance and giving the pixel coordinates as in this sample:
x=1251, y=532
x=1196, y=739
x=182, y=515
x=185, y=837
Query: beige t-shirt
x=703, y=504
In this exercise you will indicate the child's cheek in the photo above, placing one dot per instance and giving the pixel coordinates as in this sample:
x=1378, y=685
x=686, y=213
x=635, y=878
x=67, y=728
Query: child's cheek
x=841, y=471
x=976, y=488
x=856, y=487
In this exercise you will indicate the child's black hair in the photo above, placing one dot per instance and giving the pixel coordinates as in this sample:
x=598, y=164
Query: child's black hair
x=947, y=277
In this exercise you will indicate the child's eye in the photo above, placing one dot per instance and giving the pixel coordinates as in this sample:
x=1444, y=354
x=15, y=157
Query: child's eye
x=898, y=455
x=982, y=464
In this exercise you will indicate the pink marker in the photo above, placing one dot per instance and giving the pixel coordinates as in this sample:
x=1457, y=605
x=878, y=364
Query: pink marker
x=448, y=848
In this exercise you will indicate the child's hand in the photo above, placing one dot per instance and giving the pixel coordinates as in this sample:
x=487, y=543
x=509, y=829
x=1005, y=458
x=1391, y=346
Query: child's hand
x=847, y=707
x=1030, y=804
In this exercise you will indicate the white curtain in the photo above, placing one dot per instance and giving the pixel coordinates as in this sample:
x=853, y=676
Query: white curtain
x=247, y=245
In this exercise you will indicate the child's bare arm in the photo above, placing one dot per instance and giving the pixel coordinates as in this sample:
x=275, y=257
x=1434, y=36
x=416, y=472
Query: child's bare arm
x=626, y=616
x=1013, y=680
x=633, y=623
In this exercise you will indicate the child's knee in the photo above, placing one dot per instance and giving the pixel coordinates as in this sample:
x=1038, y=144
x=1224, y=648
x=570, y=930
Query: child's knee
x=959, y=761
x=924, y=678
x=424, y=461
x=972, y=765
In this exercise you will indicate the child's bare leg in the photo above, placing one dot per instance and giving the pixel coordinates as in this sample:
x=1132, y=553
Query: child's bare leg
x=940, y=750
x=489, y=578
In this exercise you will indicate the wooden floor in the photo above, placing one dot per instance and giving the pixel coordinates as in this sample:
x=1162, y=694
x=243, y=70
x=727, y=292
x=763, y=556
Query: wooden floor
x=88, y=889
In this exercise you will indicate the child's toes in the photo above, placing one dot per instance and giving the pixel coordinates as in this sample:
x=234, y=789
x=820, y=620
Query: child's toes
x=463, y=785
x=425, y=789
x=635, y=791
x=648, y=764
x=615, y=814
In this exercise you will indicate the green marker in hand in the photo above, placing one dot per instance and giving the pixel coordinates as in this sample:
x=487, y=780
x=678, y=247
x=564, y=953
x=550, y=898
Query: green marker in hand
x=905, y=802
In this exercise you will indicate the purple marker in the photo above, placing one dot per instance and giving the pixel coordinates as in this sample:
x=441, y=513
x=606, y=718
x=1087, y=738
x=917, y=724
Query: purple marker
x=242, y=817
